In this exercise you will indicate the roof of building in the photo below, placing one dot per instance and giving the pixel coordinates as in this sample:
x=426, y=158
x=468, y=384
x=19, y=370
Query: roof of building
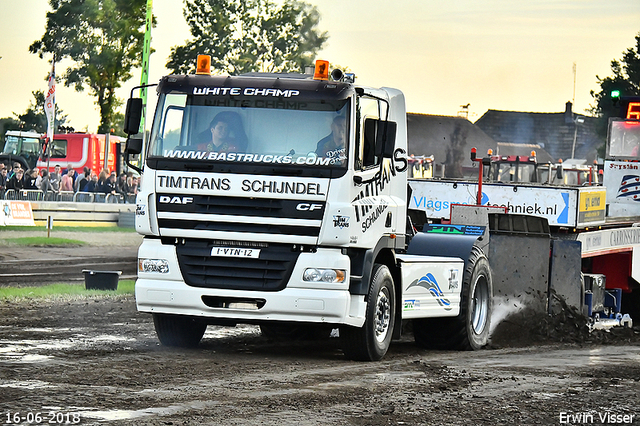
x=450, y=139
x=555, y=132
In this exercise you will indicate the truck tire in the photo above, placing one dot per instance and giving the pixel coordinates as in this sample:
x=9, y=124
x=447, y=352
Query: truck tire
x=178, y=330
x=470, y=329
x=371, y=341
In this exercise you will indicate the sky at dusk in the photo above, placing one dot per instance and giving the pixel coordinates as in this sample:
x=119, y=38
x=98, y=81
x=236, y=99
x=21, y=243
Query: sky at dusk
x=491, y=54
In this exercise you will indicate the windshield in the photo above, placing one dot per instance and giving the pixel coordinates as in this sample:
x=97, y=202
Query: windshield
x=571, y=177
x=511, y=172
x=624, y=139
x=250, y=129
x=29, y=145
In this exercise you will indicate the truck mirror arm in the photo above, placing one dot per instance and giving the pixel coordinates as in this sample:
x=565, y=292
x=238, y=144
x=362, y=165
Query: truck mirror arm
x=133, y=147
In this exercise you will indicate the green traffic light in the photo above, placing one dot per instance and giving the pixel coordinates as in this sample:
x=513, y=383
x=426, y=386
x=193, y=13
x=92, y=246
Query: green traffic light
x=615, y=93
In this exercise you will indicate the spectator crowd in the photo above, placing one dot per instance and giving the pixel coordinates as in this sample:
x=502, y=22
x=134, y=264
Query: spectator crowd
x=13, y=177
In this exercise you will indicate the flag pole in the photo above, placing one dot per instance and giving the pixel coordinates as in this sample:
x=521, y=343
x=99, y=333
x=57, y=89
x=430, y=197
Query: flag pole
x=144, y=78
x=50, y=111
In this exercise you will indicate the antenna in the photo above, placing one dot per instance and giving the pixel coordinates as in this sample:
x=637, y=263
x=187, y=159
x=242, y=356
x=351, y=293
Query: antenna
x=573, y=102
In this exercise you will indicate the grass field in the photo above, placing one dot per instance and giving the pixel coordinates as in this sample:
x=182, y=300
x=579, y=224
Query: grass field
x=44, y=242
x=66, y=236
x=67, y=229
x=68, y=291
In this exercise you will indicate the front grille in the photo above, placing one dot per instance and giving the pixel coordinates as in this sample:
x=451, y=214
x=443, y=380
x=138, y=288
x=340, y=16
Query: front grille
x=260, y=228
x=270, y=272
x=209, y=213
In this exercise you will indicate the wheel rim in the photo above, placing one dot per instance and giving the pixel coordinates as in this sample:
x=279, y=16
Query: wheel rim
x=480, y=305
x=383, y=315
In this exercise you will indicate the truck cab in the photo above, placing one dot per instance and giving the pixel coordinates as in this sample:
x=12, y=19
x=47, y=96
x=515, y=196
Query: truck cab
x=270, y=199
x=21, y=147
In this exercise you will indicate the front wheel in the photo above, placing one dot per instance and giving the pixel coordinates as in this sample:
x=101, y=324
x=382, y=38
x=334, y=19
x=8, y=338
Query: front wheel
x=371, y=341
x=178, y=330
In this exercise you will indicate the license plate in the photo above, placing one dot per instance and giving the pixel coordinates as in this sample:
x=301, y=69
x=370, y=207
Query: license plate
x=235, y=252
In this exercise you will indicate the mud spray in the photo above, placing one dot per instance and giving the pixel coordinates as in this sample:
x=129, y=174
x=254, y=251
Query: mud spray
x=523, y=320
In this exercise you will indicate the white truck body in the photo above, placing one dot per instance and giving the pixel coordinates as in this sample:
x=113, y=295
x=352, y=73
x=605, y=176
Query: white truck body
x=251, y=235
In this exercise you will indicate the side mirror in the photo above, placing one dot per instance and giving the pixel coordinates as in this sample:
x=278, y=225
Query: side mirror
x=387, y=131
x=559, y=172
x=383, y=135
x=133, y=147
x=133, y=116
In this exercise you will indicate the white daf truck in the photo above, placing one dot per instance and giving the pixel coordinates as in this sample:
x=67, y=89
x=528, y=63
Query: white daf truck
x=294, y=217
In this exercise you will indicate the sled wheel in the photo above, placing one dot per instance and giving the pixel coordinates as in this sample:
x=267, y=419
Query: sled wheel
x=178, y=330
x=371, y=341
x=470, y=329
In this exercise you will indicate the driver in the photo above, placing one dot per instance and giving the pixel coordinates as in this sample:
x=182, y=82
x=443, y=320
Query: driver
x=225, y=134
x=333, y=145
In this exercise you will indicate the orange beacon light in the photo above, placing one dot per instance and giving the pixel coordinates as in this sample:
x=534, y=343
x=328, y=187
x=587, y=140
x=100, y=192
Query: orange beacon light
x=322, y=70
x=203, y=66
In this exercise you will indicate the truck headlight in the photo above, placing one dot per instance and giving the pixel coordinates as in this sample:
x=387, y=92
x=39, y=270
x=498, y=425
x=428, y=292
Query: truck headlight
x=320, y=275
x=160, y=266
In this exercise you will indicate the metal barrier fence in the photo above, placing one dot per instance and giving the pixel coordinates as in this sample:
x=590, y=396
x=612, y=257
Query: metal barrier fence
x=66, y=196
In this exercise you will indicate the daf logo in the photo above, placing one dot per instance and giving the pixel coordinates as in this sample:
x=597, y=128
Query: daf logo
x=306, y=207
x=165, y=199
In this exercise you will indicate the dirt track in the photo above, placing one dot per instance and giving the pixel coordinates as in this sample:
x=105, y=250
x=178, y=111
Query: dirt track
x=98, y=360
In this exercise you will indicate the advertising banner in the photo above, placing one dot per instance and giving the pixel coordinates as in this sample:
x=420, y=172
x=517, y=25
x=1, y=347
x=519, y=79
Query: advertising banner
x=622, y=179
x=16, y=213
x=559, y=205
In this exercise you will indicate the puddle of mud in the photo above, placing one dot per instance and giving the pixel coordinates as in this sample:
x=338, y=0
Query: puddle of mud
x=214, y=332
x=30, y=350
x=27, y=384
x=112, y=415
x=555, y=360
x=27, y=350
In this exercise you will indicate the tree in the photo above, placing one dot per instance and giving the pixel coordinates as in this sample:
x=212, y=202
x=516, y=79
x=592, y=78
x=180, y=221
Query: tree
x=104, y=38
x=35, y=118
x=626, y=79
x=249, y=35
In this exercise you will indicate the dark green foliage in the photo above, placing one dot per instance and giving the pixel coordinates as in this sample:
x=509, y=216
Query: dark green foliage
x=626, y=78
x=104, y=39
x=249, y=35
x=34, y=118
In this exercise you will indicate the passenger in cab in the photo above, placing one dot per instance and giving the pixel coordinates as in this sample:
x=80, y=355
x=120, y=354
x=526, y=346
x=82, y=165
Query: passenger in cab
x=225, y=134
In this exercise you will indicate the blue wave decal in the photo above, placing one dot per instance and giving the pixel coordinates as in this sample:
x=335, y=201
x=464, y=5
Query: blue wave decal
x=629, y=188
x=430, y=283
x=564, y=214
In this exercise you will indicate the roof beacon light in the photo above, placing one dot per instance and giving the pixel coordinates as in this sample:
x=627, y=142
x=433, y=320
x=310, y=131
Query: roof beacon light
x=490, y=152
x=203, y=65
x=322, y=70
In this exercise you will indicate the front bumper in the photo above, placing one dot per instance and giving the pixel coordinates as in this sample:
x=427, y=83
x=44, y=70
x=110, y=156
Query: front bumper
x=299, y=301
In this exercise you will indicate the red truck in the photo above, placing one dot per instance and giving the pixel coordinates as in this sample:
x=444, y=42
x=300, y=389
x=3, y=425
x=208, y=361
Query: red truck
x=77, y=149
